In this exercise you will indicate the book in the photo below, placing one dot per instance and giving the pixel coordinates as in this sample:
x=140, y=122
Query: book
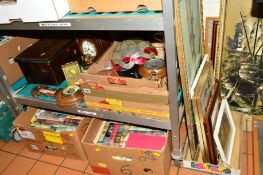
x=99, y=132
x=107, y=136
x=118, y=135
x=143, y=141
x=114, y=133
x=103, y=132
x=124, y=136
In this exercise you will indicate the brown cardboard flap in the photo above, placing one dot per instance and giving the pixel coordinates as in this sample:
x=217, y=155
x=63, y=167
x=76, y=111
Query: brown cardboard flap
x=142, y=95
x=9, y=50
x=119, y=5
x=24, y=118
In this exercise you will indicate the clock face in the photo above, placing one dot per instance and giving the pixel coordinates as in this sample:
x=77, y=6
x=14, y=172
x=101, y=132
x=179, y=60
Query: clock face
x=89, y=49
x=154, y=64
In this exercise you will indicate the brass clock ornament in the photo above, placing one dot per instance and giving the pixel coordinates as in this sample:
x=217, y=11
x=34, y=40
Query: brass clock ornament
x=71, y=71
x=153, y=69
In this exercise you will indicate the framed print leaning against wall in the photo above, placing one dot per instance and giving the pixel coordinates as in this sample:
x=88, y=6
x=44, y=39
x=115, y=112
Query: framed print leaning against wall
x=242, y=57
x=189, y=36
x=224, y=133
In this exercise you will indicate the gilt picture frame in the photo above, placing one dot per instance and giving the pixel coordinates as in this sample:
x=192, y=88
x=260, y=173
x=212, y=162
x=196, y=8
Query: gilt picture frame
x=189, y=42
x=224, y=133
x=200, y=101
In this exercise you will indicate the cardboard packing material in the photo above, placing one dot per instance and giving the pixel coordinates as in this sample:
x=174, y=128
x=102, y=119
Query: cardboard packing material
x=128, y=107
x=66, y=143
x=111, y=160
x=33, y=10
x=9, y=50
x=78, y=6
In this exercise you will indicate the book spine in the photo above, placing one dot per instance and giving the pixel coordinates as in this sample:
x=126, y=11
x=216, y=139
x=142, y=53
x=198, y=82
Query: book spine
x=124, y=136
x=118, y=135
x=103, y=132
x=153, y=132
x=99, y=132
x=114, y=133
x=107, y=136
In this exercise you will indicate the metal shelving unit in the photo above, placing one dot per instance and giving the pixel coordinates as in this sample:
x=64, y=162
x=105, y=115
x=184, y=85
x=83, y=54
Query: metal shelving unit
x=156, y=22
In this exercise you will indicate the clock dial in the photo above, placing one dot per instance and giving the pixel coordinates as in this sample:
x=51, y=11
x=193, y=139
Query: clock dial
x=154, y=64
x=89, y=49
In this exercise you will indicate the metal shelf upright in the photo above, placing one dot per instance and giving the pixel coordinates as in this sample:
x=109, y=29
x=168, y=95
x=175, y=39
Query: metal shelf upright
x=157, y=22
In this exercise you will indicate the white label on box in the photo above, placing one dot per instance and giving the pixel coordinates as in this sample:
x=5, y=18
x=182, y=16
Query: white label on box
x=58, y=24
x=27, y=134
x=86, y=112
x=34, y=147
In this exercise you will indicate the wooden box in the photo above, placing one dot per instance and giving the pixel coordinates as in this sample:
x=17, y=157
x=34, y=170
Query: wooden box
x=41, y=63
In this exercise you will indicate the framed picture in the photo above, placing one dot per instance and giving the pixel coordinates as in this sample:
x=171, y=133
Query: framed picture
x=200, y=101
x=211, y=30
x=241, y=57
x=189, y=42
x=211, y=111
x=224, y=133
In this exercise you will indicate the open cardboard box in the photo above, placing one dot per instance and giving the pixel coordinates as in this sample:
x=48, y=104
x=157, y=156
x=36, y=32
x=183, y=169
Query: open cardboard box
x=116, y=160
x=66, y=143
x=9, y=50
x=98, y=83
x=78, y=6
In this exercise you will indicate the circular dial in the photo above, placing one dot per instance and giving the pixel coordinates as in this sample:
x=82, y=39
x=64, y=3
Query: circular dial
x=154, y=64
x=70, y=90
x=89, y=49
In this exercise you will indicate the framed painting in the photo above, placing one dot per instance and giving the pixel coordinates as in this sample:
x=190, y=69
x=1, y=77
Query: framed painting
x=200, y=101
x=213, y=44
x=212, y=110
x=224, y=133
x=189, y=41
x=211, y=31
x=242, y=57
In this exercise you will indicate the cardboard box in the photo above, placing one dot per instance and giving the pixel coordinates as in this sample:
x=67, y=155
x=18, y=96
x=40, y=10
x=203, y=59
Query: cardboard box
x=78, y=6
x=117, y=161
x=66, y=143
x=9, y=50
x=97, y=83
x=33, y=11
x=141, y=94
x=96, y=74
x=128, y=107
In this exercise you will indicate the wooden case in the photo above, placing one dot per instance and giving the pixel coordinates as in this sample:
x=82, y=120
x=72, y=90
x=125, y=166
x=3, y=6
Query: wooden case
x=41, y=63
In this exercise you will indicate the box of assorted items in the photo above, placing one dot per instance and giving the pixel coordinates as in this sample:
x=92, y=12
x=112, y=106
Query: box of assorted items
x=117, y=148
x=10, y=47
x=128, y=78
x=78, y=6
x=43, y=10
x=52, y=132
x=41, y=63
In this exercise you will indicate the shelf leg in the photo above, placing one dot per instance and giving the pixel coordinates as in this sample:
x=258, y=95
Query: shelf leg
x=171, y=57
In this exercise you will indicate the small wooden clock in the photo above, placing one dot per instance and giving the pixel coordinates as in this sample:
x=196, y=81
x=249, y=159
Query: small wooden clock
x=91, y=50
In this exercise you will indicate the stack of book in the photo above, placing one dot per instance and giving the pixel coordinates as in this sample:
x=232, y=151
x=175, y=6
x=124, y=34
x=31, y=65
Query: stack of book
x=123, y=135
x=55, y=121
